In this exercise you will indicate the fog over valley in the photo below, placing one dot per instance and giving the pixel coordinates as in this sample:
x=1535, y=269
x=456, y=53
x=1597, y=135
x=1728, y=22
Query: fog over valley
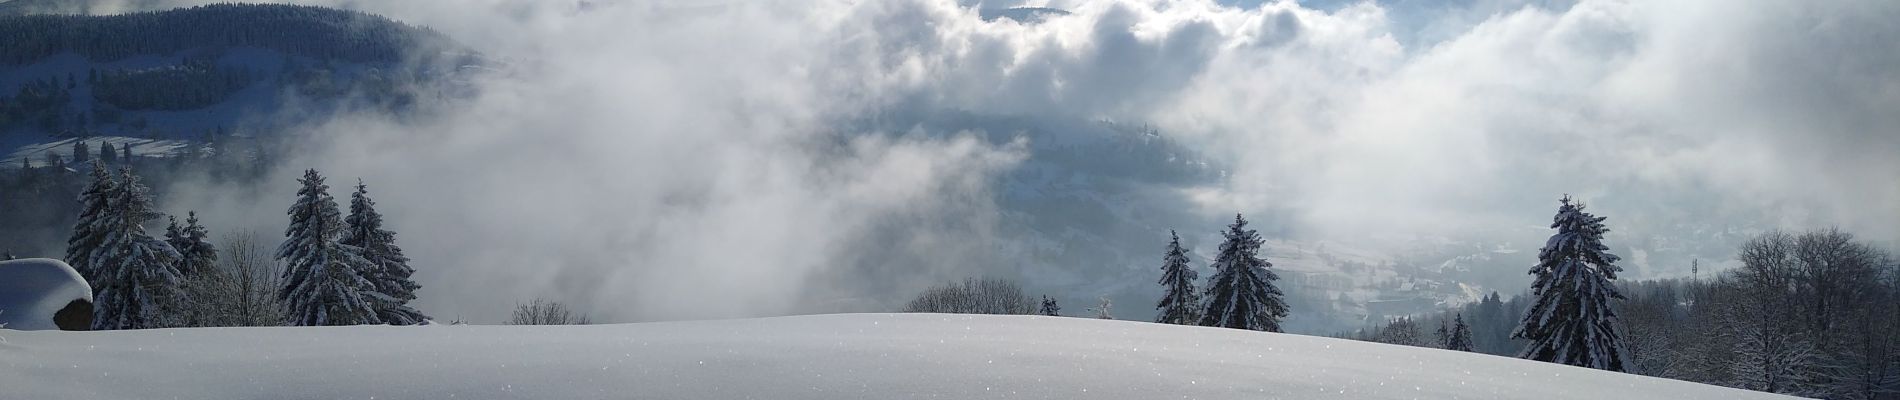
x=681, y=160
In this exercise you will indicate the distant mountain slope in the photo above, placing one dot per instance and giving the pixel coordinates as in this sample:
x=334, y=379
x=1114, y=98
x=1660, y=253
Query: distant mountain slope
x=24, y=7
x=315, y=32
x=214, y=70
x=852, y=356
x=1086, y=214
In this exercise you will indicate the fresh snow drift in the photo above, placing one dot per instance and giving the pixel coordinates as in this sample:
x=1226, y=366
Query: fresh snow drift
x=33, y=290
x=853, y=356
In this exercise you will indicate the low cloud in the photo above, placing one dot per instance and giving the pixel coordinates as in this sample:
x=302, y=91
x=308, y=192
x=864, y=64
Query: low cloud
x=684, y=159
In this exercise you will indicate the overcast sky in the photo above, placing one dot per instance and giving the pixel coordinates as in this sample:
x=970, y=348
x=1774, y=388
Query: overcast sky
x=678, y=159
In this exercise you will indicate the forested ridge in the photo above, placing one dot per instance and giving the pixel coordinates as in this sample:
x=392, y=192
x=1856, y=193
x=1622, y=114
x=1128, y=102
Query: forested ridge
x=317, y=32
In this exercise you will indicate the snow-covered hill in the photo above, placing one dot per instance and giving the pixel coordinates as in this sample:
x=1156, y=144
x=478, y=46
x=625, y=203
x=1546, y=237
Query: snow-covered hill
x=867, y=356
x=210, y=71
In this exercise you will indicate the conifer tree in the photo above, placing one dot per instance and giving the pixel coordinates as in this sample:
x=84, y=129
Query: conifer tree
x=125, y=152
x=1460, y=335
x=387, y=268
x=322, y=285
x=173, y=232
x=137, y=285
x=1180, y=303
x=1443, y=334
x=197, y=255
x=1050, y=308
x=1494, y=326
x=81, y=153
x=106, y=154
x=1571, y=321
x=1241, y=294
x=89, y=233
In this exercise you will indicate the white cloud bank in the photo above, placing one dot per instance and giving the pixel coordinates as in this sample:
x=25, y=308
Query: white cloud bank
x=678, y=159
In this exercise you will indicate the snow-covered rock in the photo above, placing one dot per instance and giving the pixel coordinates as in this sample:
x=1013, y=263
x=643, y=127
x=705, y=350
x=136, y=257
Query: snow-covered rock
x=849, y=356
x=34, y=293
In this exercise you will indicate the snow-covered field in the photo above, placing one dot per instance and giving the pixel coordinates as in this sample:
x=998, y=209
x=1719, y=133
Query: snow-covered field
x=851, y=356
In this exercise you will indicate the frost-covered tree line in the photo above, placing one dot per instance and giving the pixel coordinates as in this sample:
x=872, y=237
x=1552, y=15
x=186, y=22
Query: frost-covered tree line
x=1481, y=327
x=1814, y=314
x=338, y=270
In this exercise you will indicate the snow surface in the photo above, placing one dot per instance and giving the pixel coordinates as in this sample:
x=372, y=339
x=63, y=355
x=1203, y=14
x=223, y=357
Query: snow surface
x=846, y=356
x=33, y=289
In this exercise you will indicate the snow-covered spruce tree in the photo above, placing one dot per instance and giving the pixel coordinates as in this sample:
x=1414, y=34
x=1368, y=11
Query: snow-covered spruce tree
x=1105, y=309
x=1050, y=308
x=1460, y=335
x=1571, y=321
x=88, y=233
x=321, y=282
x=196, y=255
x=138, y=285
x=387, y=269
x=1442, y=336
x=1241, y=294
x=1180, y=304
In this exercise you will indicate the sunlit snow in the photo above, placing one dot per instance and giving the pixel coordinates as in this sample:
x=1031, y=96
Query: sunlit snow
x=868, y=356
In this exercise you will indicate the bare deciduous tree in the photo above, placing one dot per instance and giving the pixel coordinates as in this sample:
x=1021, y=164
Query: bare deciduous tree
x=241, y=290
x=974, y=296
x=546, y=312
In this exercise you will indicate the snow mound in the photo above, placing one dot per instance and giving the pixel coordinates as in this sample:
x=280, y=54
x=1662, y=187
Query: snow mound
x=857, y=356
x=33, y=290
